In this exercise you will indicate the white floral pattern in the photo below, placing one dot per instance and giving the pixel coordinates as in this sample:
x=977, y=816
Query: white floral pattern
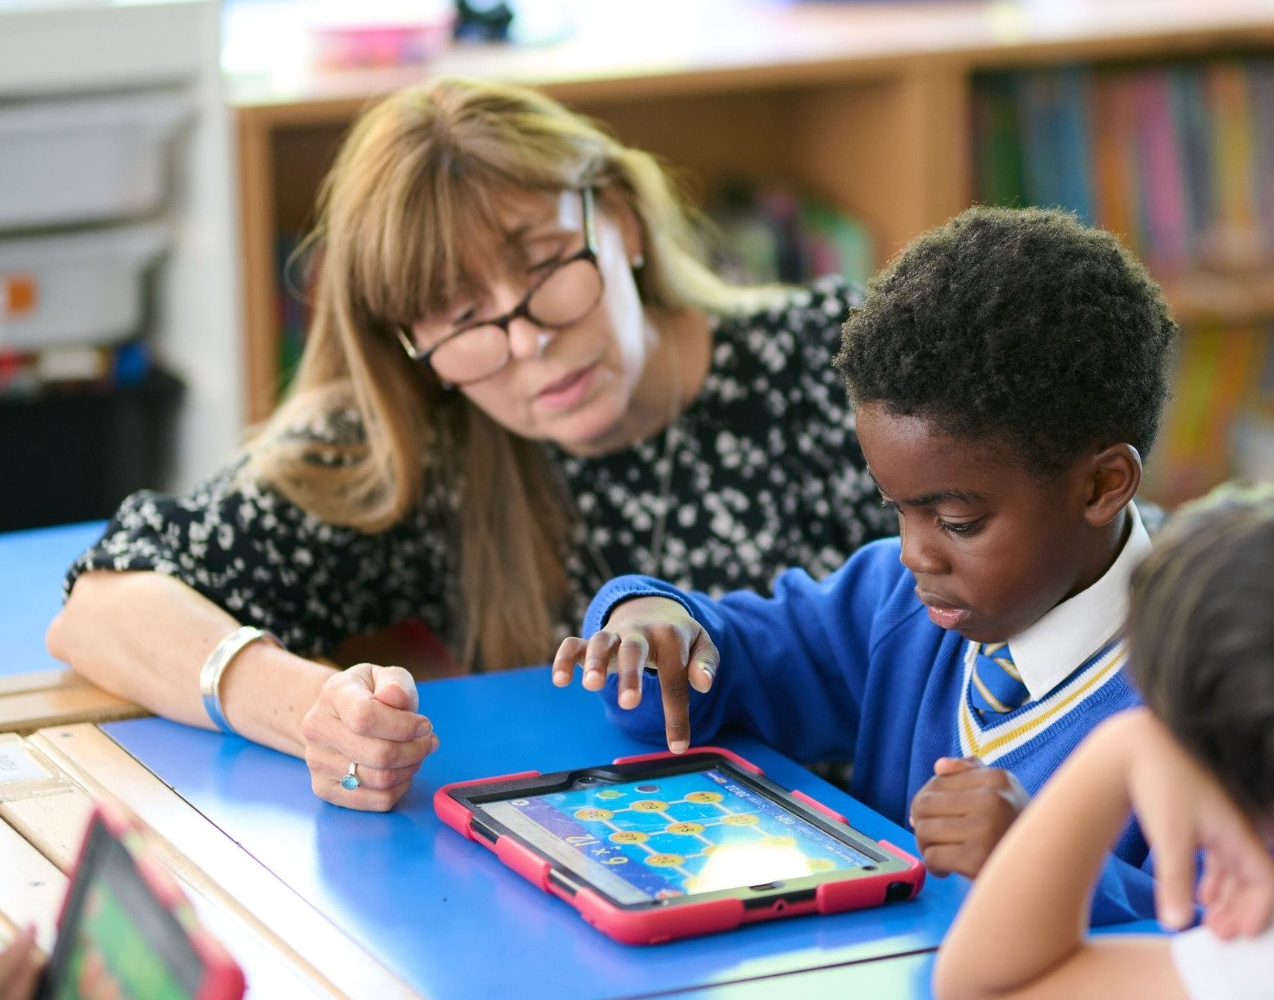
x=767, y=474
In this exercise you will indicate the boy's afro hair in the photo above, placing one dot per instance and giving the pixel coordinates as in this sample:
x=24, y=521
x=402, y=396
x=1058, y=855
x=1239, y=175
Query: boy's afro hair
x=1021, y=326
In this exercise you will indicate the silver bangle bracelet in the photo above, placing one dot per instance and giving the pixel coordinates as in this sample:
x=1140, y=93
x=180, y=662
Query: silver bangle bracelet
x=214, y=669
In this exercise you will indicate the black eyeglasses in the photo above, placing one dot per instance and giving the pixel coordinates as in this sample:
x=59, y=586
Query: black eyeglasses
x=561, y=296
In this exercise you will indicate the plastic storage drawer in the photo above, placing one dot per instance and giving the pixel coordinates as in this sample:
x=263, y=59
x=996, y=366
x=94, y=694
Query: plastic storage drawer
x=86, y=159
x=75, y=288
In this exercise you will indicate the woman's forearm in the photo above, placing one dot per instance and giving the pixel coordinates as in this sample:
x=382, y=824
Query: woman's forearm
x=144, y=636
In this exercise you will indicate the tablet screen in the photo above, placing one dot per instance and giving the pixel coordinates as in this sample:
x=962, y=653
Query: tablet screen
x=118, y=939
x=676, y=835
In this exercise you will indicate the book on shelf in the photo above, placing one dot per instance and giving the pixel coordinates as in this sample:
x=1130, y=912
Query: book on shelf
x=1178, y=159
x=769, y=232
x=1222, y=401
x=291, y=308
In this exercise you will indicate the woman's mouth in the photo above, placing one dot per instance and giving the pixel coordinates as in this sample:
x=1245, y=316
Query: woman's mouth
x=567, y=391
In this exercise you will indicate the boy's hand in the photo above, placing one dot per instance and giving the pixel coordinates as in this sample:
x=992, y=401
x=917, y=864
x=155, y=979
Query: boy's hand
x=646, y=632
x=962, y=812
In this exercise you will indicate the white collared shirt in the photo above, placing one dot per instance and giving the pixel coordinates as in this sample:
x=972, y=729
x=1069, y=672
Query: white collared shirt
x=1049, y=651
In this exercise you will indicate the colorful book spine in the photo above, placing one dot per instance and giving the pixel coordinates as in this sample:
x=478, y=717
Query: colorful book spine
x=1159, y=165
x=1237, y=243
x=1115, y=190
x=1178, y=160
x=1260, y=76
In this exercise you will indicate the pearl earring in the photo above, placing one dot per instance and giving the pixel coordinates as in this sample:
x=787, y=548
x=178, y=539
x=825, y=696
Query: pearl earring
x=638, y=262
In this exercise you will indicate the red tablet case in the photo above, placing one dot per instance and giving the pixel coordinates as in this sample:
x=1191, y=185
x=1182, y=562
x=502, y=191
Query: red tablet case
x=687, y=919
x=222, y=979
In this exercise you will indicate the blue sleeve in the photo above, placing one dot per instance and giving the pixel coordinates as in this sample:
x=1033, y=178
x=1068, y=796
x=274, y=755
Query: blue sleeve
x=1124, y=892
x=793, y=666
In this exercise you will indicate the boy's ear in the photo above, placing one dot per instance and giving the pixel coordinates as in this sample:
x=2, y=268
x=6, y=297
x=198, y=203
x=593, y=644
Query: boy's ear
x=1113, y=480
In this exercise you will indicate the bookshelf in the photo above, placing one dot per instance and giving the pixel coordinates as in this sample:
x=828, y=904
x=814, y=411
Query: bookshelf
x=869, y=106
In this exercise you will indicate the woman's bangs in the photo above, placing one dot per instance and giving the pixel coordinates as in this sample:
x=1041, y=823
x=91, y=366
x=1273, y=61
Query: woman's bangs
x=432, y=251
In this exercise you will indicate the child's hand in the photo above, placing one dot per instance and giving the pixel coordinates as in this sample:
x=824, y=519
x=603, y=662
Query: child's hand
x=1182, y=808
x=18, y=967
x=962, y=812
x=646, y=632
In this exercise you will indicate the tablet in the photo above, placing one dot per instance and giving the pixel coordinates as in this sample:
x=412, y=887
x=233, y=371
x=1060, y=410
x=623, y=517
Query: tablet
x=664, y=846
x=127, y=932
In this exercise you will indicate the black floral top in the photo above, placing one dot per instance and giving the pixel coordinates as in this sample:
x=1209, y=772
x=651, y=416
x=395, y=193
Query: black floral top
x=766, y=473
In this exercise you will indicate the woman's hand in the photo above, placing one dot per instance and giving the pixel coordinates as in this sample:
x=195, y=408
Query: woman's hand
x=18, y=967
x=646, y=633
x=366, y=716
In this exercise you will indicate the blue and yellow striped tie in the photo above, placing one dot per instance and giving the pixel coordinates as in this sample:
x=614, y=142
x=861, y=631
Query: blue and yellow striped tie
x=996, y=686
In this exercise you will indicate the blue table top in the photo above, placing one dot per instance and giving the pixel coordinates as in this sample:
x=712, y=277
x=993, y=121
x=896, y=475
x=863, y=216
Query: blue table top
x=450, y=919
x=32, y=565
x=903, y=977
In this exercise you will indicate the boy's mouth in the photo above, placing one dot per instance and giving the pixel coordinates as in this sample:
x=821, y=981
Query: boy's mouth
x=943, y=615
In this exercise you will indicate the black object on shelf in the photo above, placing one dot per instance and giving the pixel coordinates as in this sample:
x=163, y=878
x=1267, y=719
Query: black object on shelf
x=68, y=457
x=482, y=21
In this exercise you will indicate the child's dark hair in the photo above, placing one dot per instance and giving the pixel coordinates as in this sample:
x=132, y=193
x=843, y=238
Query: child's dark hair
x=1201, y=637
x=1020, y=325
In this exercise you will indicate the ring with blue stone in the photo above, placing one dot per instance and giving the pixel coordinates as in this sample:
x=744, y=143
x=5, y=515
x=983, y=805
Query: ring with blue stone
x=350, y=781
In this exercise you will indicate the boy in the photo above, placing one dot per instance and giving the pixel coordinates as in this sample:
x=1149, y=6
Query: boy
x=1197, y=765
x=1008, y=371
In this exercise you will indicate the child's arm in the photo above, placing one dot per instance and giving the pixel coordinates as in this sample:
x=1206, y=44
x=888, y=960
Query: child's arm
x=1021, y=932
x=965, y=809
x=792, y=666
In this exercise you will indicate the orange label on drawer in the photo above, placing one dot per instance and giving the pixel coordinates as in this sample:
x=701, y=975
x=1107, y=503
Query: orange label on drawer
x=19, y=294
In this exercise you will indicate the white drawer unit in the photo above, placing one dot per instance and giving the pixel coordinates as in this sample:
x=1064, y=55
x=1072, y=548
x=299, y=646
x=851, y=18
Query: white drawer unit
x=75, y=288
x=118, y=204
x=87, y=159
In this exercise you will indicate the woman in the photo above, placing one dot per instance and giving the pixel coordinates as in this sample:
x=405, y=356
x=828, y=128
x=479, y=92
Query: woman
x=520, y=379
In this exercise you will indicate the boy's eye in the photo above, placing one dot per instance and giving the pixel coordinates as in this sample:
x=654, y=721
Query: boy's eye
x=887, y=504
x=964, y=528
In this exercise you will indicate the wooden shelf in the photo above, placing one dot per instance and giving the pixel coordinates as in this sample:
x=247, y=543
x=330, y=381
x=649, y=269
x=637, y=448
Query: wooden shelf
x=1232, y=299
x=867, y=105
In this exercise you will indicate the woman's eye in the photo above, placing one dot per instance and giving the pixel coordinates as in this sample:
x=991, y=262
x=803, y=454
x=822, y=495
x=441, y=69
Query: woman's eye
x=462, y=315
x=548, y=263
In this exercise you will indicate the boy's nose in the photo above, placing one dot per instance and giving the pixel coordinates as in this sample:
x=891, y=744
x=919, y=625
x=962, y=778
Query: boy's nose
x=918, y=554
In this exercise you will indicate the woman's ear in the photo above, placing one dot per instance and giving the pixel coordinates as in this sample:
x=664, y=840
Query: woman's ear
x=1113, y=480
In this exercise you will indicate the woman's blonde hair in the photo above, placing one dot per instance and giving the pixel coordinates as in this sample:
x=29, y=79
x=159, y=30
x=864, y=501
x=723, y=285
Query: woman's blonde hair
x=408, y=212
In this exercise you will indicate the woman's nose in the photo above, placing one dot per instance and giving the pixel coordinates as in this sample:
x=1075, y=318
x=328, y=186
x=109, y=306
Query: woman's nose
x=527, y=341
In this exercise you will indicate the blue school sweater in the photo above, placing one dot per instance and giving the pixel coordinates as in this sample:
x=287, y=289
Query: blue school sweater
x=851, y=668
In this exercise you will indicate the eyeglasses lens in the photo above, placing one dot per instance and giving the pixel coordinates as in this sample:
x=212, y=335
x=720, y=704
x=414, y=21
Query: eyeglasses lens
x=565, y=297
